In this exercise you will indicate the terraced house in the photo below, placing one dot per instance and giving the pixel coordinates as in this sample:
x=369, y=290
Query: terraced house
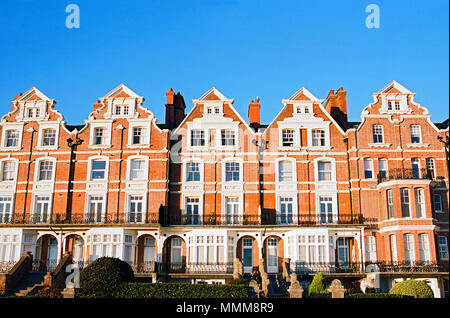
x=208, y=195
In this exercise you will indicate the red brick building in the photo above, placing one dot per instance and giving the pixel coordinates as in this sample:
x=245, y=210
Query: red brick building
x=191, y=198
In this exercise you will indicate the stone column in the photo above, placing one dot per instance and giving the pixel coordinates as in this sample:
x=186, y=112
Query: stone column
x=295, y=290
x=336, y=289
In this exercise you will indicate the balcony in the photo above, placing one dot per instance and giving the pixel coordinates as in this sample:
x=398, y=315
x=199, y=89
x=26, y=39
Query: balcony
x=404, y=174
x=304, y=268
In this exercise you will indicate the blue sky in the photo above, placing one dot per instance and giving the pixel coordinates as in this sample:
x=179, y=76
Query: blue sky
x=245, y=48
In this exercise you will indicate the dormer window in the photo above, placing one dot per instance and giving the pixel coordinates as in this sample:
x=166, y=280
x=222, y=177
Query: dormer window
x=99, y=136
x=228, y=138
x=197, y=138
x=288, y=137
x=299, y=110
x=415, y=134
x=121, y=110
x=138, y=135
x=393, y=105
x=217, y=110
x=32, y=112
x=12, y=138
x=306, y=110
x=49, y=137
x=318, y=137
x=209, y=110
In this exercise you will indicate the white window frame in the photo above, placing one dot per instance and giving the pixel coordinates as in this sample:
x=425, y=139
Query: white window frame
x=128, y=207
x=294, y=214
x=393, y=247
x=424, y=247
x=6, y=200
x=37, y=169
x=129, y=167
x=7, y=127
x=42, y=128
x=431, y=167
x=440, y=203
x=88, y=206
x=293, y=163
x=240, y=162
x=107, y=128
x=89, y=172
x=49, y=212
x=200, y=167
x=386, y=169
x=409, y=247
x=371, y=248
x=419, y=201
x=139, y=123
x=377, y=130
x=320, y=139
x=295, y=138
x=419, y=133
x=443, y=247
x=333, y=169
x=3, y=161
x=368, y=160
x=200, y=208
x=402, y=202
x=205, y=137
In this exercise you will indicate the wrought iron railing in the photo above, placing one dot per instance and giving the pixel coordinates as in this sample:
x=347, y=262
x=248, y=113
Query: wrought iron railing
x=44, y=265
x=399, y=174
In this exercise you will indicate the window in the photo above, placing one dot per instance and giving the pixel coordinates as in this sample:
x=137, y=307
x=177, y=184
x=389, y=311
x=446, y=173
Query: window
x=217, y=110
x=12, y=138
x=288, y=137
x=285, y=171
x=8, y=171
x=371, y=249
x=437, y=202
x=5, y=209
x=326, y=209
x=424, y=248
x=318, y=137
x=408, y=241
x=197, y=138
x=394, y=104
x=9, y=250
x=420, y=202
x=232, y=171
x=430, y=167
x=45, y=170
x=443, y=247
x=404, y=194
x=137, y=169
x=192, y=210
x=136, y=208
x=121, y=110
x=415, y=165
x=228, y=137
x=95, y=209
x=382, y=168
x=49, y=137
x=32, y=112
x=209, y=110
x=286, y=210
x=192, y=171
x=390, y=204
x=415, y=134
x=41, y=209
x=232, y=210
x=324, y=170
x=99, y=136
x=368, y=168
x=393, y=248
x=138, y=135
x=377, y=131
x=98, y=170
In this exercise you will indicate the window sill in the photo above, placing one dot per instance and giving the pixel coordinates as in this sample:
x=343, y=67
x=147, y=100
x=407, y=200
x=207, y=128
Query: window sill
x=379, y=145
x=47, y=148
x=99, y=146
x=285, y=148
x=10, y=148
x=417, y=145
x=133, y=146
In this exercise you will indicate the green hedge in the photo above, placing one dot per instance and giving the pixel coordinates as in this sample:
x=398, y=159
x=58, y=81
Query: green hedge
x=373, y=295
x=414, y=288
x=174, y=290
x=317, y=286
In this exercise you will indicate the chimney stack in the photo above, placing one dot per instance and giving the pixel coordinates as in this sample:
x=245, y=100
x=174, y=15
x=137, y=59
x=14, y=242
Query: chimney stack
x=336, y=106
x=98, y=105
x=175, y=107
x=254, y=114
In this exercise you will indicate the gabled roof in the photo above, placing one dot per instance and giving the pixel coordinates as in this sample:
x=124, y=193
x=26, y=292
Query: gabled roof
x=213, y=94
x=304, y=94
x=395, y=87
x=32, y=94
x=121, y=91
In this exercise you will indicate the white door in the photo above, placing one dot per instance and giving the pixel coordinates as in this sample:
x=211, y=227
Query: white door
x=247, y=255
x=176, y=257
x=52, y=255
x=272, y=256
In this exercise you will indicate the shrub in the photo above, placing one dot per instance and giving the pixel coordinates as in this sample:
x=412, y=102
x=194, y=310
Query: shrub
x=240, y=281
x=374, y=295
x=317, y=286
x=176, y=290
x=414, y=288
x=103, y=277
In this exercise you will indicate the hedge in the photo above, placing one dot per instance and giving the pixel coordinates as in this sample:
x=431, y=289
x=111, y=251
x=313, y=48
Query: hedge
x=374, y=295
x=414, y=288
x=174, y=290
x=317, y=285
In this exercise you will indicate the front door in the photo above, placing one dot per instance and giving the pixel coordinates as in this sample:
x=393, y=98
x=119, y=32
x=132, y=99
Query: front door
x=175, y=254
x=149, y=254
x=52, y=254
x=343, y=251
x=272, y=255
x=247, y=255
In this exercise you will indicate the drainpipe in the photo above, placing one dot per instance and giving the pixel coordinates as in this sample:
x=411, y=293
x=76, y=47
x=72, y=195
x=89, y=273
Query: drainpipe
x=349, y=178
x=121, y=128
x=31, y=129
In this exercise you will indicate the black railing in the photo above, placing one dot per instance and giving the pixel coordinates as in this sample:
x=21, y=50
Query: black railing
x=44, y=265
x=359, y=267
x=214, y=220
x=404, y=174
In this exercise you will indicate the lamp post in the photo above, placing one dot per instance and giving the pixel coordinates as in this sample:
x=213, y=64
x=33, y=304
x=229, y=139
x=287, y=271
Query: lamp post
x=72, y=143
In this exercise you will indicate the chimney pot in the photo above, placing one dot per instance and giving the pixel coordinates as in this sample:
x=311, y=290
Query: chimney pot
x=254, y=110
